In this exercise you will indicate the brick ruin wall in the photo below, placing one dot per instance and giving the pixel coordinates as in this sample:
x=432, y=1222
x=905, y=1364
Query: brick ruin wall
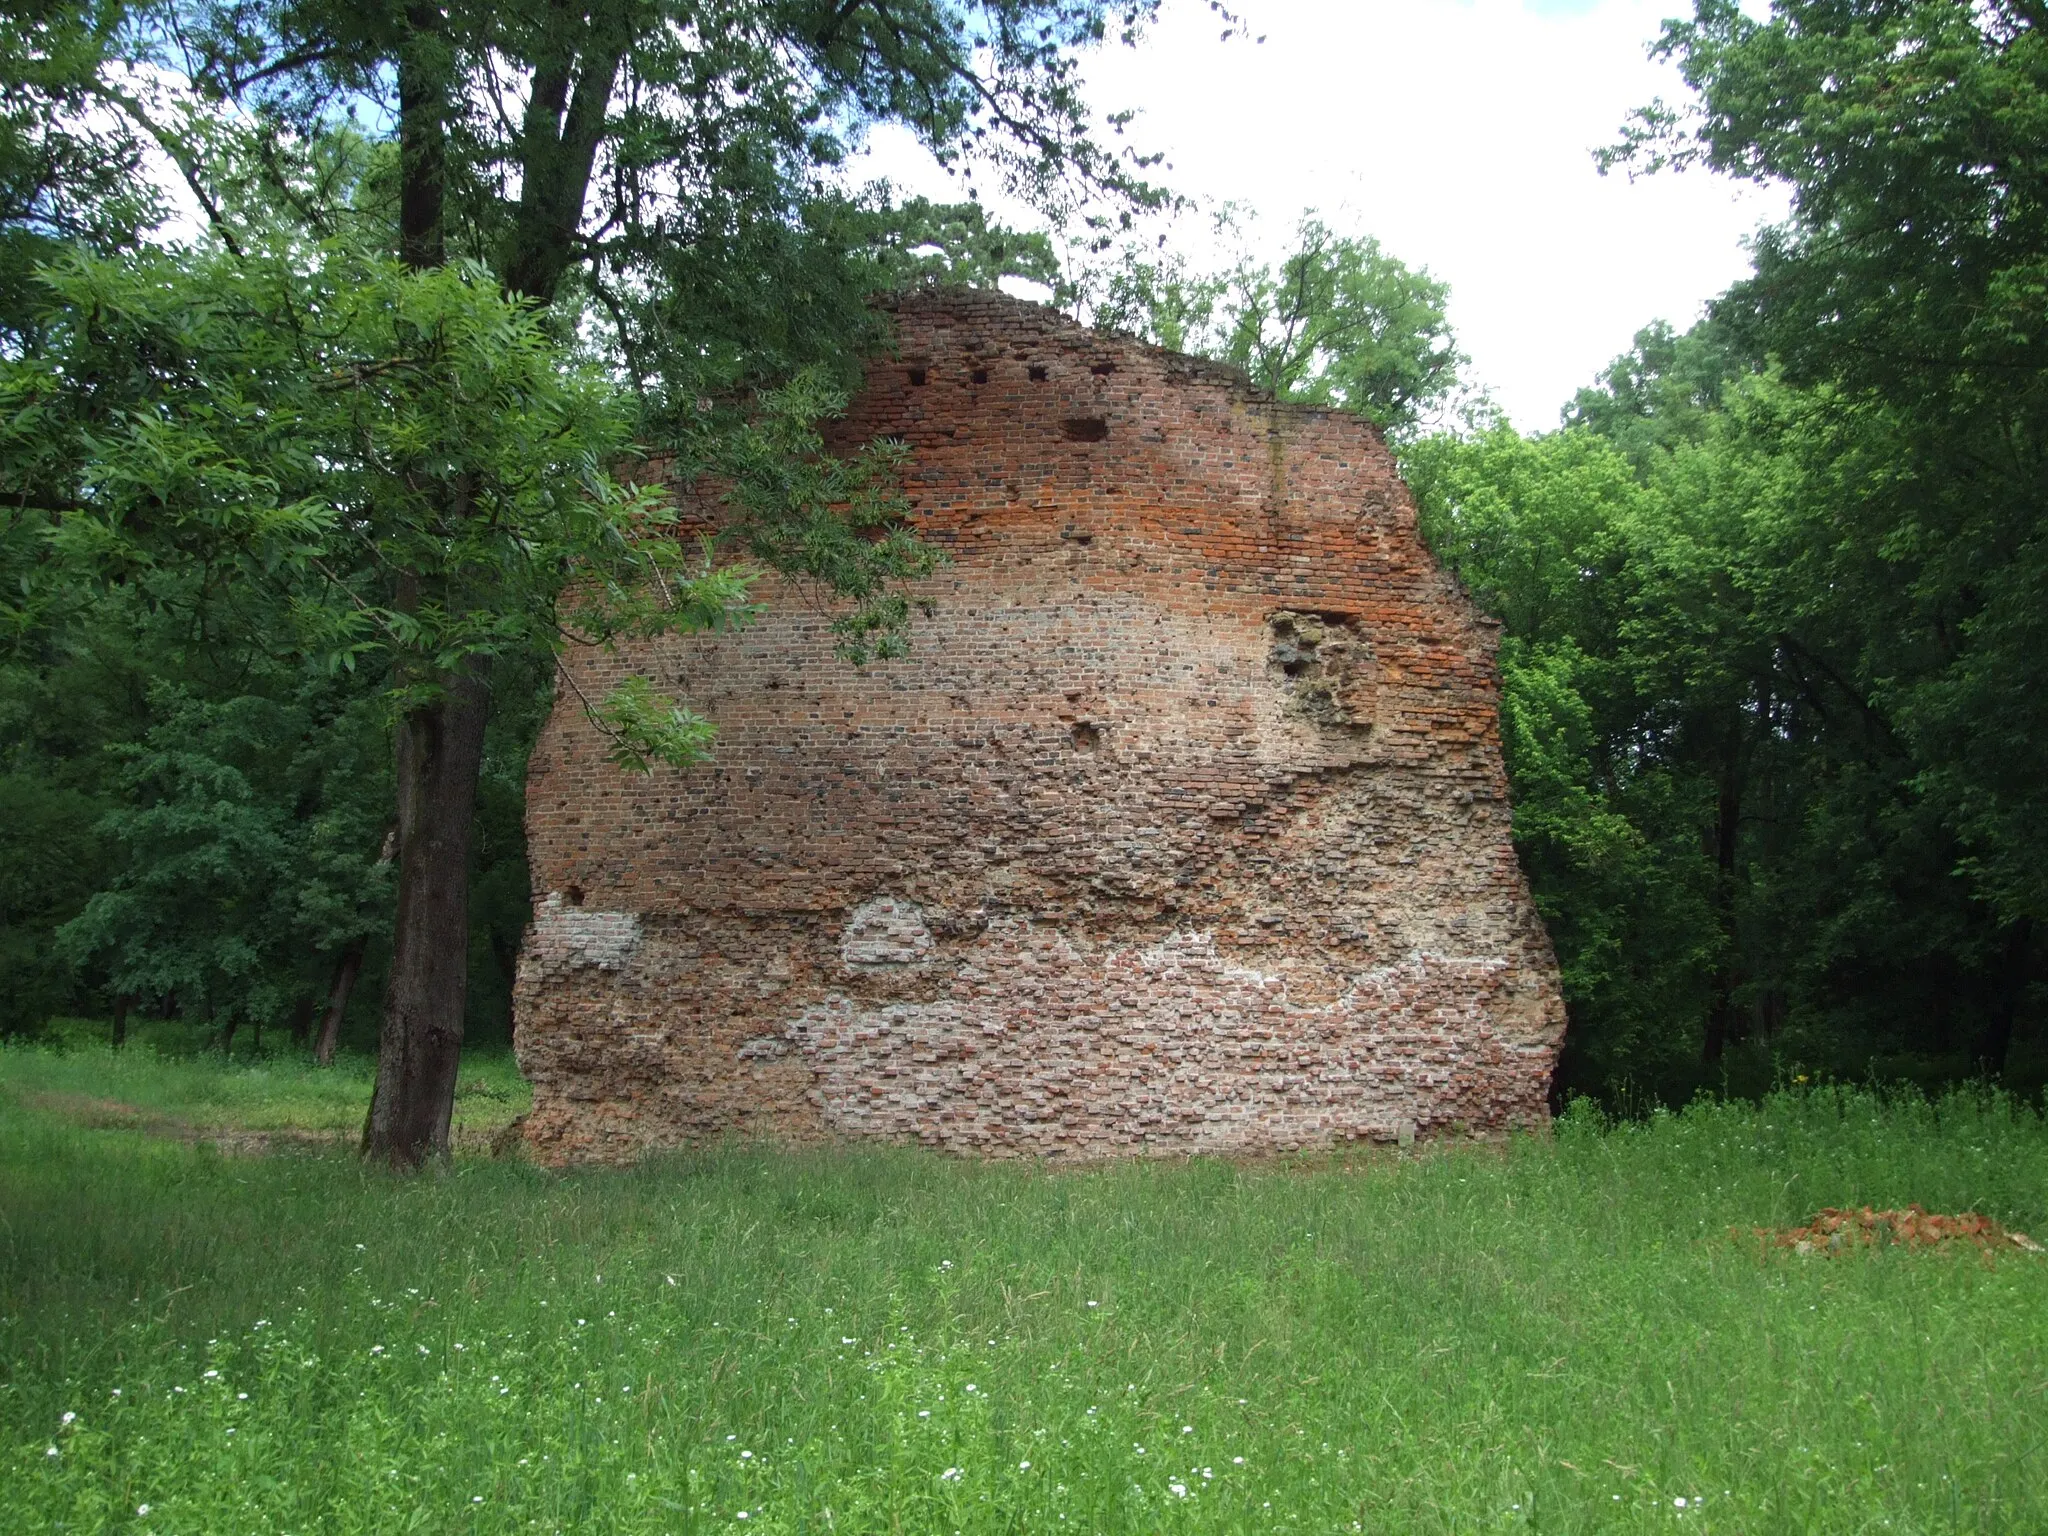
x=1183, y=829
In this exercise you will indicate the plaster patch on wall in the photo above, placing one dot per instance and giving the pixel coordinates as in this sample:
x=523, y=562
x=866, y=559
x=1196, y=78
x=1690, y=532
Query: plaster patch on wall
x=1196, y=950
x=887, y=931
x=1168, y=1045
x=579, y=936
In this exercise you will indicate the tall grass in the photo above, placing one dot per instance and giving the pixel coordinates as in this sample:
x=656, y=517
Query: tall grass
x=1556, y=1335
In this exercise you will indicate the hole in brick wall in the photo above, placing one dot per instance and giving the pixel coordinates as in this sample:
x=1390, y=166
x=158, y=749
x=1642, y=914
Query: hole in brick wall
x=980, y=375
x=1084, y=429
x=917, y=375
x=1327, y=664
x=1103, y=370
x=1086, y=737
x=573, y=895
x=1075, y=537
x=1037, y=372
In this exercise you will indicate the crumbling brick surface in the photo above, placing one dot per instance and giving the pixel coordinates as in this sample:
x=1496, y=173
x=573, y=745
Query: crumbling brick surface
x=1183, y=829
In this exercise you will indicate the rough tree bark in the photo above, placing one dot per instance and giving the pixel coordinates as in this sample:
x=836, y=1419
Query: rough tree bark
x=419, y=1049
x=440, y=744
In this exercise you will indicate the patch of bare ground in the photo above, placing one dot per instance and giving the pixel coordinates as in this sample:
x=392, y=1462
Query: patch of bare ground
x=103, y=1114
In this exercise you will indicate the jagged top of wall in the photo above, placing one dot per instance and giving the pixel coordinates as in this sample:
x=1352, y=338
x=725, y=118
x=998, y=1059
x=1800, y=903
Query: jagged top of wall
x=1025, y=317
x=1052, y=323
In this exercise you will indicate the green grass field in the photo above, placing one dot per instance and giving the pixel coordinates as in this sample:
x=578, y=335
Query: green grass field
x=1559, y=1335
x=244, y=1105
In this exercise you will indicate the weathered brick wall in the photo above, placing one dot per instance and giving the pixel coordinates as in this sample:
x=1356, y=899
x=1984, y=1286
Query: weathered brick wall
x=1183, y=829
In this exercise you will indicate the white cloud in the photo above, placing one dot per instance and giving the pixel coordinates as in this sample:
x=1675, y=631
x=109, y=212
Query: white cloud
x=1460, y=132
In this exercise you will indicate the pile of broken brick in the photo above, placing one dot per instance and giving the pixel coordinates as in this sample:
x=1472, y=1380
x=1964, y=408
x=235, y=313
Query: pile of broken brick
x=1837, y=1231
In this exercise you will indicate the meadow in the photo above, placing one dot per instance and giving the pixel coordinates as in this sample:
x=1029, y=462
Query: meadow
x=205, y=1334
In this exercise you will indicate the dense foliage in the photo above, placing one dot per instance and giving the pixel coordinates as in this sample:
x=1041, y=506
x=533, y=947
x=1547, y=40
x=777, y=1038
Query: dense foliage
x=1775, y=594
x=1338, y=321
x=369, y=442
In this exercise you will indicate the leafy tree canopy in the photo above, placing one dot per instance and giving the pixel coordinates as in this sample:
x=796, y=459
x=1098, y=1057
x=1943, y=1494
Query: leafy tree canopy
x=1339, y=322
x=464, y=266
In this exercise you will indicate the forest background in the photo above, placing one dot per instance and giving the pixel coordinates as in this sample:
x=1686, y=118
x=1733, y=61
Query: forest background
x=1774, y=593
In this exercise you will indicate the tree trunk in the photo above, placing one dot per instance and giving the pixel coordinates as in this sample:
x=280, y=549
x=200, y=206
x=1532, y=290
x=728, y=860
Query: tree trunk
x=1723, y=1027
x=302, y=1019
x=440, y=756
x=440, y=742
x=346, y=969
x=423, y=84
x=1994, y=1043
x=121, y=1005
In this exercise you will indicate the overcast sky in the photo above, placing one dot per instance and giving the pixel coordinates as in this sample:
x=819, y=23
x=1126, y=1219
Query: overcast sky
x=1460, y=132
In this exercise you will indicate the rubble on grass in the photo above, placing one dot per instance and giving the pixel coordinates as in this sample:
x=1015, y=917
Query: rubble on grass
x=1835, y=1231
